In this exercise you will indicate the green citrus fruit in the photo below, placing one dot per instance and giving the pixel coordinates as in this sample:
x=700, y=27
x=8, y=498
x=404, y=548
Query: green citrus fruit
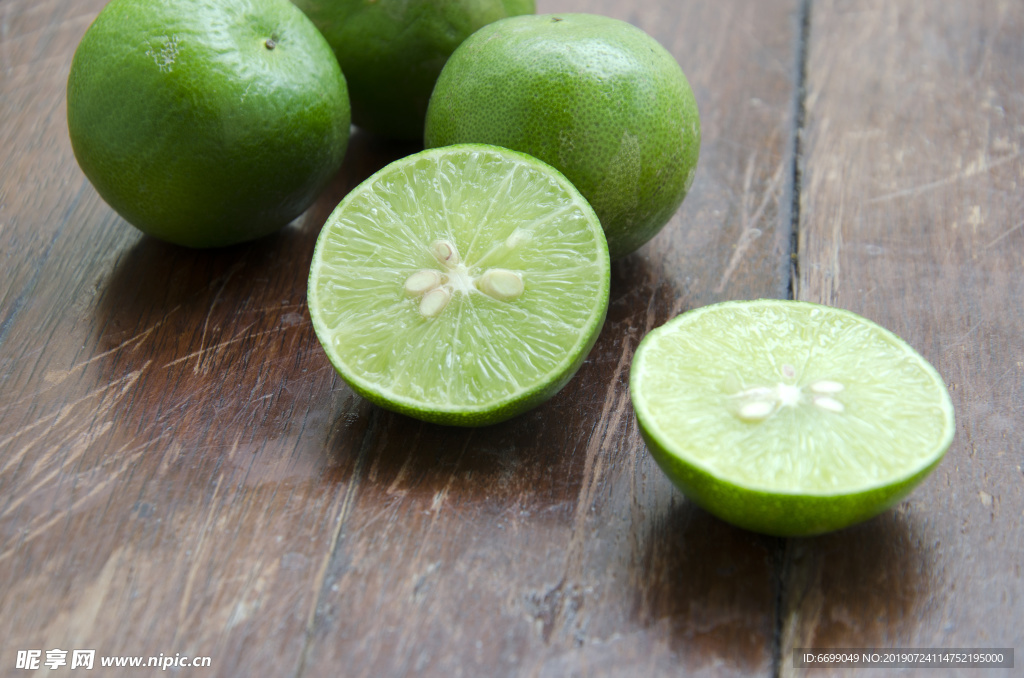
x=392, y=51
x=788, y=418
x=461, y=285
x=594, y=97
x=206, y=123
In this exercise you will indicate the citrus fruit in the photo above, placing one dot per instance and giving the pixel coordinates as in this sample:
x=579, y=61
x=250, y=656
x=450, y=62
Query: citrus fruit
x=595, y=97
x=392, y=51
x=206, y=123
x=788, y=418
x=462, y=285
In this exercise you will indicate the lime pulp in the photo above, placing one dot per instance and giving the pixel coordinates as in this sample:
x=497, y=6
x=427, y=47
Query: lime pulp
x=789, y=417
x=460, y=285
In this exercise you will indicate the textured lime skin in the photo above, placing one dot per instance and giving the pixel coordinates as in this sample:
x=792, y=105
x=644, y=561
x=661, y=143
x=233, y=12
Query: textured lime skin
x=594, y=97
x=392, y=51
x=780, y=515
x=536, y=396
x=774, y=512
x=197, y=130
x=489, y=413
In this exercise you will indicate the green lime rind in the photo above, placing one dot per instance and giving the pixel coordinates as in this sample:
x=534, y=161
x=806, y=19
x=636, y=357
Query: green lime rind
x=480, y=360
x=483, y=416
x=805, y=468
x=392, y=52
x=206, y=124
x=593, y=96
x=771, y=513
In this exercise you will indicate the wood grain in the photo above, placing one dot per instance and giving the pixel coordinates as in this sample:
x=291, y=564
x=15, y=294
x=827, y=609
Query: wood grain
x=911, y=214
x=181, y=471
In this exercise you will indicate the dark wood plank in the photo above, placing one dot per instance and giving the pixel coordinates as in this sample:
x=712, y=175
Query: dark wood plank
x=912, y=215
x=182, y=472
x=168, y=462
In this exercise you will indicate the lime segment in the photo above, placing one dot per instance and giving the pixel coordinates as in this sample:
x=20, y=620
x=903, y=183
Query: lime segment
x=788, y=417
x=461, y=285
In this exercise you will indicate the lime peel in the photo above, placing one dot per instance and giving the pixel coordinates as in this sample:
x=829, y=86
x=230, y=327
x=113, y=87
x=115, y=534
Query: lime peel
x=593, y=96
x=224, y=130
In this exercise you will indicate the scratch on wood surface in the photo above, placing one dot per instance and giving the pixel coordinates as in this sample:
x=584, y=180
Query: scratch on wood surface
x=38, y=526
x=76, y=621
x=195, y=558
x=198, y=368
x=750, y=231
x=56, y=377
x=347, y=501
x=395, y=488
x=566, y=596
x=593, y=464
x=76, y=439
x=959, y=341
x=804, y=608
x=821, y=234
x=832, y=289
x=973, y=169
x=42, y=480
x=52, y=421
x=1004, y=235
x=214, y=347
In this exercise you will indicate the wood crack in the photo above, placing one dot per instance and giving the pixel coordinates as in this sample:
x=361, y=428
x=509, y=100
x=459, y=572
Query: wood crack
x=781, y=562
x=348, y=500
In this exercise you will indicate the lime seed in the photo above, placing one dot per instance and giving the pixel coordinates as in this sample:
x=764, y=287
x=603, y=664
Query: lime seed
x=501, y=284
x=422, y=282
x=434, y=302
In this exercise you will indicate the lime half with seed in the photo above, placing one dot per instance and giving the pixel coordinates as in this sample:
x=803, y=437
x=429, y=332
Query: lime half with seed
x=461, y=285
x=788, y=418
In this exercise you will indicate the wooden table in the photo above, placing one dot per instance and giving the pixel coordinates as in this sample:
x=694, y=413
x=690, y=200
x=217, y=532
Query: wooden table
x=182, y=472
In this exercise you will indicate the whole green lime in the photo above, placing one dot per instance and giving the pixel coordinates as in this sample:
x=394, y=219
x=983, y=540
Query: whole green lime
x=392, y=51
x=207, y=123
x=595, y=97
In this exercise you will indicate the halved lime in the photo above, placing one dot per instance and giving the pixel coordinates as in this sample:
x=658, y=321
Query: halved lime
x=786, y=417
x=461, y=285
